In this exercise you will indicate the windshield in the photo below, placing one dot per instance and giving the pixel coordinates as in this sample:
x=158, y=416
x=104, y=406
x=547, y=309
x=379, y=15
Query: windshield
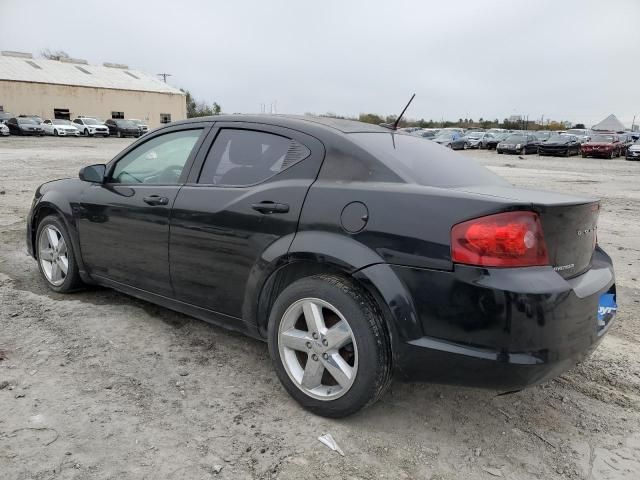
x=60, y=122
x=515, y=138
x=27, y=121
x=474, y=135
x=446, y=136
x=425, y=163
x=136, y=121
x=573, y=131
x=602, y=138
x=125, y=123
x=90, y=121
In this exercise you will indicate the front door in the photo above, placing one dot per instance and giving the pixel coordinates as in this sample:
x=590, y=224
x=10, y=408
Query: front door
x=124, y=223
x=245, y=197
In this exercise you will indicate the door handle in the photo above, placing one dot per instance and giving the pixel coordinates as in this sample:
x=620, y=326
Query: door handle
x=156, y=200
x=270, y=207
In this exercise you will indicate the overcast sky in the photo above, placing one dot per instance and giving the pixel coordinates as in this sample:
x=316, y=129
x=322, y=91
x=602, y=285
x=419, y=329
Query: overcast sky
x=577, y=60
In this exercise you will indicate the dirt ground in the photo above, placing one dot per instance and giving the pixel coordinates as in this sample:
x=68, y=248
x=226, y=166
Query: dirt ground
x=100, y=385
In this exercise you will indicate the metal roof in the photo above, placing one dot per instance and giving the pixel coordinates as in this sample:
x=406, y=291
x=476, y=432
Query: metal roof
x=38, y=70
x=611, y=124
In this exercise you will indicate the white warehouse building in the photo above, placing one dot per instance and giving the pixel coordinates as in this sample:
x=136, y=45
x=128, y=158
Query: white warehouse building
x=69, y=88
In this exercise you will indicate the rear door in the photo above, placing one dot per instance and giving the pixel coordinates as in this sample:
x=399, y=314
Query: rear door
x=244, y=198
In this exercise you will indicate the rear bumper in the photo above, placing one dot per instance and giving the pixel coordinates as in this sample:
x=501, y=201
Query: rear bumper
x=502, y=329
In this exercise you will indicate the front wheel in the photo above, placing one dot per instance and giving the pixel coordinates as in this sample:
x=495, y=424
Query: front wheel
x=56, y=258
x=328, y=345
x=55, y=132
x=119, y=134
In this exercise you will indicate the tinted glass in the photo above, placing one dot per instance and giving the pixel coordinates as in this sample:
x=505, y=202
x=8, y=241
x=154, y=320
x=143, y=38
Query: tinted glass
x=515, y=138
x=28, y=121
x=126, y=124
x=424, y=163
x=158, y=161
x=247, y=157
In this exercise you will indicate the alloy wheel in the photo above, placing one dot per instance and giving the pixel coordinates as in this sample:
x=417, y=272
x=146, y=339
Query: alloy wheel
x=53, y=255
x=318, y=349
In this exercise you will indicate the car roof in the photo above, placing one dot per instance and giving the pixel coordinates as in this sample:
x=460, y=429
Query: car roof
x=294, y=121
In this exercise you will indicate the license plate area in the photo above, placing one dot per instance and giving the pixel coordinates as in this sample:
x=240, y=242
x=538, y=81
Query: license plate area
x=607, y=309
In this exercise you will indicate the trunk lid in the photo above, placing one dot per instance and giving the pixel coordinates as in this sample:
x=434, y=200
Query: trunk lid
x=569, y=223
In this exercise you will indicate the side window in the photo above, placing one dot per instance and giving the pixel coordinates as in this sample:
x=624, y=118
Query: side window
x=158, y=161
x=247, y=157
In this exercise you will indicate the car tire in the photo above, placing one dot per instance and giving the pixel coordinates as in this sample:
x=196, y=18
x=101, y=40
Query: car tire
x=86, y=132
x=343, y=374
x=54, y=249
x=55, y=132
x=612, y=154
x=119, y=134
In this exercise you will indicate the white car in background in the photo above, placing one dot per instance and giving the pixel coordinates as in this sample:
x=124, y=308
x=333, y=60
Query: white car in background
x=90, y=127
x=60, y=128
x=4, y=130
x=144, y=128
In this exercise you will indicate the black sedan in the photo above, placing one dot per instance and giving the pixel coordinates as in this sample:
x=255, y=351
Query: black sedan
x=560, y=145
x=518, y=143
x=492, y=143
x=24, y=126
x=357, y=253
x=122, y=128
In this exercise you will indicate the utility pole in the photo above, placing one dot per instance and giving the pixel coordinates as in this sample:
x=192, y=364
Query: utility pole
x=164, y=76
x=633, y=123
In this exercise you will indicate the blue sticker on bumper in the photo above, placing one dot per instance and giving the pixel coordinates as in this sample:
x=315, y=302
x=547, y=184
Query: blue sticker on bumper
x=606, y=309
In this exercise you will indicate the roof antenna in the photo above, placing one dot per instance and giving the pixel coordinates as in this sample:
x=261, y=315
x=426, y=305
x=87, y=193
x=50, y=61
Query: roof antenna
x=395, y=124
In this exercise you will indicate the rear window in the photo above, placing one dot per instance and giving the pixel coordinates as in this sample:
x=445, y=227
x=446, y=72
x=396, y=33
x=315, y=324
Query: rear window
x=423, y=162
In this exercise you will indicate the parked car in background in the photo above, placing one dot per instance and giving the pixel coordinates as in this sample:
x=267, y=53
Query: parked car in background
x=36, y=118
x=24, y=126
x=89, y=127
x=633, y=152
x=341, y=276
x=429, y=134
x=560, y=145
x=144, y=128
x=518, y=143
x=60, y=128
x=122, y=128
x=5, y=116
x=602, y=145
x=543, y=135
x=4, y=130
x=447, y=139
x=471, y=139
x=492, y=143
x=582, y=134
x=625, y=142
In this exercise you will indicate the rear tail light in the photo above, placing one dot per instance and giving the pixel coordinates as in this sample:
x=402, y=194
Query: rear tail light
x=512, y=239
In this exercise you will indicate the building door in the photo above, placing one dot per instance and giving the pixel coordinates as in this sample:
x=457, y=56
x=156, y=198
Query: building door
x=61, y=113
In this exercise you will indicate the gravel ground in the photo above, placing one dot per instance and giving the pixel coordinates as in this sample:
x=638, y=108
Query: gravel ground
x=100, y=385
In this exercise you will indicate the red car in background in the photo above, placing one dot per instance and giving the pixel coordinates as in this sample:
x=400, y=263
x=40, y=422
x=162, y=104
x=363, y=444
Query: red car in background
x=607, y=145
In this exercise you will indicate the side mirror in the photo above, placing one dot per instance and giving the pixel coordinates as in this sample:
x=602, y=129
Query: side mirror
x=93, y=173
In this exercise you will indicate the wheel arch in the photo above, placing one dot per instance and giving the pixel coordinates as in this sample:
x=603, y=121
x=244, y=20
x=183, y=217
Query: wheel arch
x=45, y=208
x=313, y=253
